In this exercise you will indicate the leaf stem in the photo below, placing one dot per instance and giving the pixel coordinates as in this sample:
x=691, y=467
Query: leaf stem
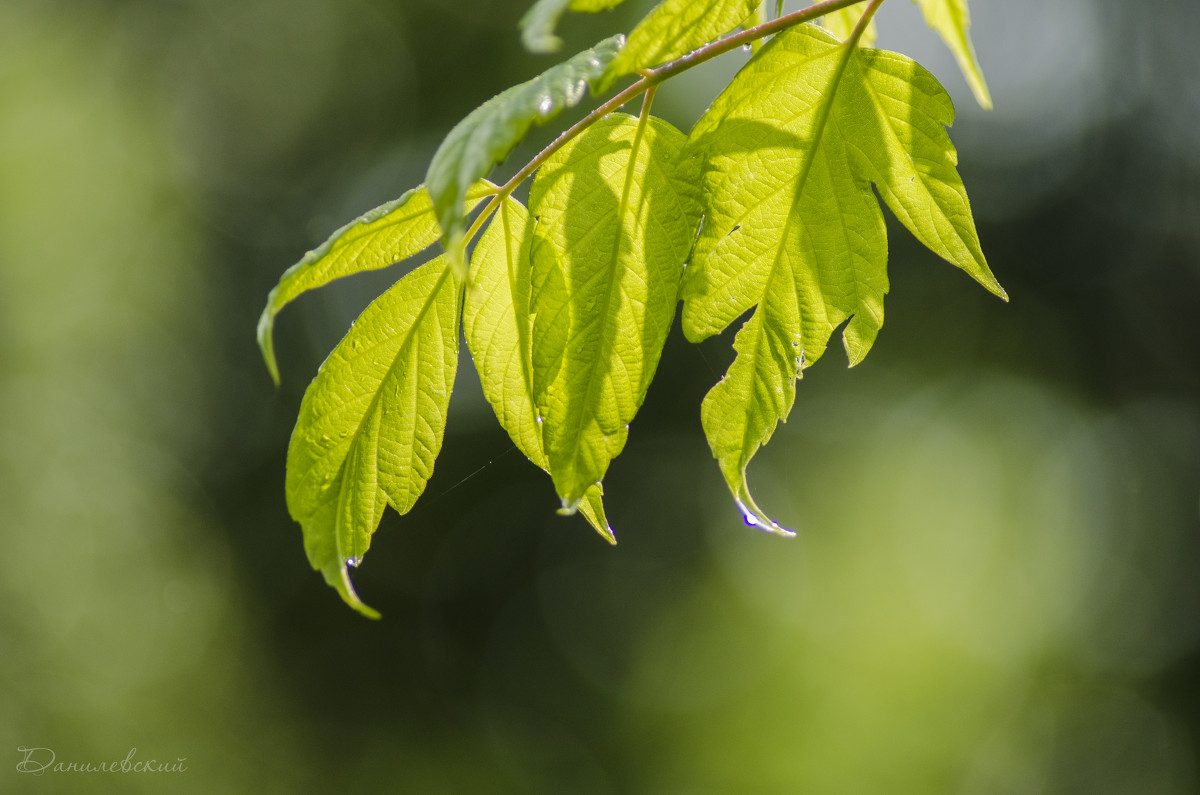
x=652, y=77
x=647, y=101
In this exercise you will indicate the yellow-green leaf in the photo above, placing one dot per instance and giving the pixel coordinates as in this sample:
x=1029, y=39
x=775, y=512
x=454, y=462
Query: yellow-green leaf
x=498, y=329
x=372, y=421
x=384, y=236
x=952, y=21
x=613, y=229
x=787, y=156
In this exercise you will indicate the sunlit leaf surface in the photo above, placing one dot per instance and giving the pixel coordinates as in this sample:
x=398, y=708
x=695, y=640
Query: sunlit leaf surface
x=614, y=226
x=498, y=328
x=371, y=423
x=787, y=157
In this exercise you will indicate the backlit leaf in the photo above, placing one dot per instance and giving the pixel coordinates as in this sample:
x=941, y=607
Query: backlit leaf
x=485, y=137
x=371, y=422
x=498, y=328
x=384, y=236
x=614, y=228
x=675, y=28
x=539, y=22
x=786, y=157
x=952, y=21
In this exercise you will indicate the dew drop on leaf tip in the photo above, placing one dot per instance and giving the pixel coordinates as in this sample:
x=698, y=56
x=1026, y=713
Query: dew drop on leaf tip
x=766, y=525
x=352, y=562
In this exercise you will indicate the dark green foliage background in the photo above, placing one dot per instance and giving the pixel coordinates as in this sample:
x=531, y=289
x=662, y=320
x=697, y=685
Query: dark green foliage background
x=518, y=652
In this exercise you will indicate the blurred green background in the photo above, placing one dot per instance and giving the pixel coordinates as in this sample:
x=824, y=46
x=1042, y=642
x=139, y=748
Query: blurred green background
x=994, y=588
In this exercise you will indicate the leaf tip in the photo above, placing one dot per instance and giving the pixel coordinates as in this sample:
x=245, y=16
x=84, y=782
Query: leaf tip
x=540, y=43
x=537, y=27
x=606, y=532
x=338, y=576
x=978, y=85
x=754, y=517
x=266, y=343
x=993, y=287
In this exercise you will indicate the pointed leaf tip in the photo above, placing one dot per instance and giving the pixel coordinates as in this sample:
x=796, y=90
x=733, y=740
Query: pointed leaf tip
x=592, y=508
x=338, y=576
x=762, y=522
x=951, y=19
x=754, y=516
x=266, y=342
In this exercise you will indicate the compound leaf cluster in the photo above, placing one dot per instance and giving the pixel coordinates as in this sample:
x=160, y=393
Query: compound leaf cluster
x=768, y=208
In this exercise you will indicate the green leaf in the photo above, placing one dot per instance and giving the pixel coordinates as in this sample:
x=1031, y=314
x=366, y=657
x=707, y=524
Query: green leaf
x=614, y=228
x=371, y=423
x=675, y=28
x=786, y=157
x=497, y=325
x=539, y=22
x=841, y=23
x=489, y=133
x=952, y=21
x=377, y=239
